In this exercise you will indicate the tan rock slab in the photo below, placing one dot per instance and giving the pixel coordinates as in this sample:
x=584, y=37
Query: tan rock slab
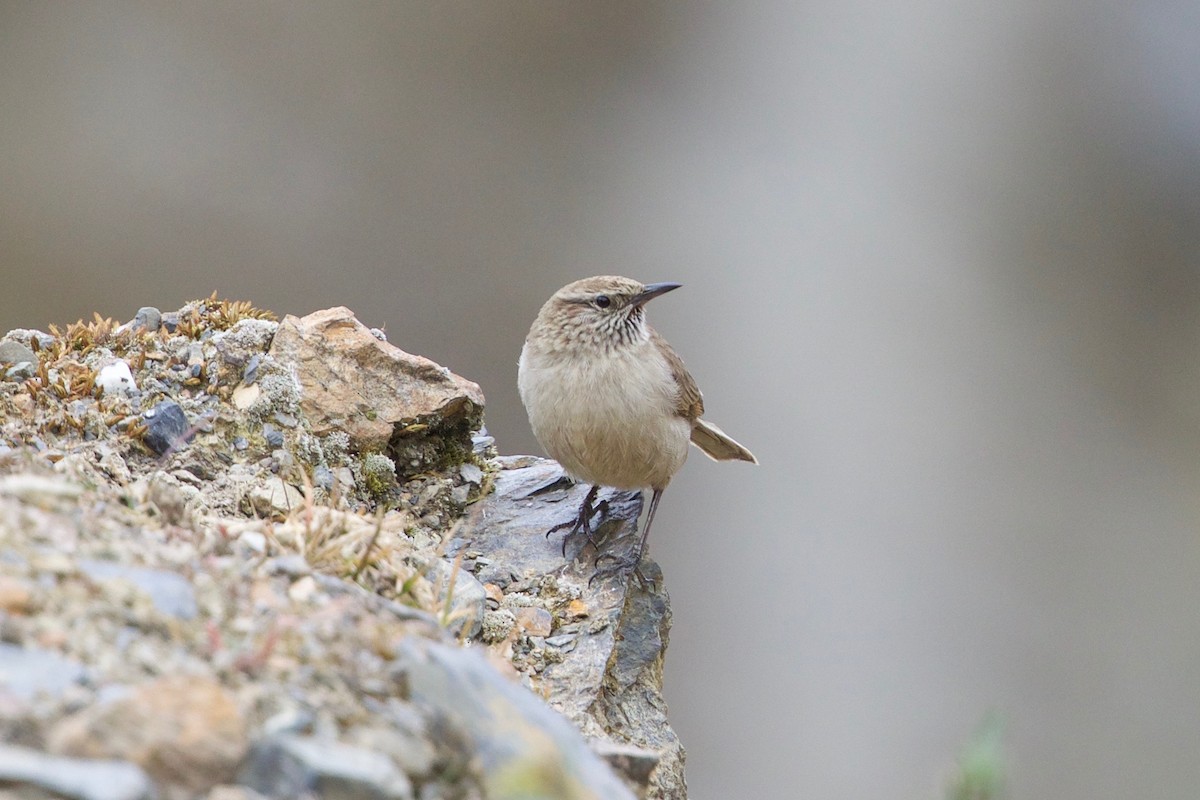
x=353, y=382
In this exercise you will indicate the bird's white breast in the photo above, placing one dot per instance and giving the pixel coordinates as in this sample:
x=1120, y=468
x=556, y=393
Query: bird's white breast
x=608, y=418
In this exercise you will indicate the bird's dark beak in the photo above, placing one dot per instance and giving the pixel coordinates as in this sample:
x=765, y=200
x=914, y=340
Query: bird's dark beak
x=652, y=291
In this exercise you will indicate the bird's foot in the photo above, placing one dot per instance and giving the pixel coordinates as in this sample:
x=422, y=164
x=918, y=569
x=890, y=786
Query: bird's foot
x=582, y=524
x=619, y=567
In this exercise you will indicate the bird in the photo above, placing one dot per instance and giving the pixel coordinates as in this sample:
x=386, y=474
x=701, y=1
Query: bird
x=611, y=401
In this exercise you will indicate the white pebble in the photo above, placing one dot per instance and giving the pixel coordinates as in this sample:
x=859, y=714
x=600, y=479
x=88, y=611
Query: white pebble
x=116, y=378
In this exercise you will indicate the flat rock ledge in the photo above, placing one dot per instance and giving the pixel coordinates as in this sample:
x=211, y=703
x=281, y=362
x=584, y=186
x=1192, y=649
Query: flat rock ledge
x=242, y=558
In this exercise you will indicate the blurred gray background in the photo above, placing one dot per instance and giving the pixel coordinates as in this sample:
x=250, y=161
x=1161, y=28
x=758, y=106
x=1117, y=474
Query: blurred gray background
x=941, y=268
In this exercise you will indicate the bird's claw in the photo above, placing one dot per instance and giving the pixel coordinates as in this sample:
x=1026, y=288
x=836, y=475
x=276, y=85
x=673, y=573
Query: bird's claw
x=621, y=566
x=583, y=523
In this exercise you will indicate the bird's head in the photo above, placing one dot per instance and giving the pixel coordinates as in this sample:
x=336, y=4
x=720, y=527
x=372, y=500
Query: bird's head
x=605, y=311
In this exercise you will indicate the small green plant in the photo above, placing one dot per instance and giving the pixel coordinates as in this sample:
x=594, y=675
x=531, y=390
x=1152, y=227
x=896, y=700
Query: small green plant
x=980, y=773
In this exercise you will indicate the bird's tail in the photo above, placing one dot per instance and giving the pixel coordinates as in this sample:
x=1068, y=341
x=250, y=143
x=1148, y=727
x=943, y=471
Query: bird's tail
x=717, y=444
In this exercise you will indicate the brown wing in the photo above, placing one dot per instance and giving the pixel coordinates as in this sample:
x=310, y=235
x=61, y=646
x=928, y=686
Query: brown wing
x=690, y=404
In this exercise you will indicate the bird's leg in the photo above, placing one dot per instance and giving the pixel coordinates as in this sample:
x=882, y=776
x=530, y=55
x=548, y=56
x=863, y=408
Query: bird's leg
x=631, y=561
x=582, y=521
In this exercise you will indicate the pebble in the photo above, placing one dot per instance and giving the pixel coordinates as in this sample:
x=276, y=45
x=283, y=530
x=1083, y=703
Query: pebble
x=170, y=496
x=293, y=565
x=323, y=478
x=147, y=318
x=273, y=435
x=303, y=590
x=15, y=353
x=481, y=443
x=39, y=490
x=409, y=748
x=116, y=379
x=469, y=599
x=250, y=373
x=26, y=671
x=21, y=371
x=115, y=467
x=534, y=621
x=54, y=563
x=170, y=321
x=233, y=793
x=245, y=395
x=16, y=595
x=471, y=473
x=291, y=766
x=27, y=335
x=494, y=593
x=254, y=541
x=74, y=778
x=183, y=476
x=167, y=427
x=289, y=720
x=170, y=592
x=184, y=730
x=275, y=497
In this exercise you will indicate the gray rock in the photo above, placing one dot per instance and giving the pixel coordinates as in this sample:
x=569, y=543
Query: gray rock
x=272, y=434
x=471, y=473
x=27, y=671
x=167, y=427
x=293, y=565
x=622, y=647
x=510, y=529
x=323, y=478
x=170, y=592
x=274, y=496
x=170, y=321
x=286, y=420
x=636, y=764
x=633, y=707
x=242, y=346
x=147, y=318
x=250, y=373
x=481, y=442
x=287, y=766
x=523, y=748
x=12, y=352
x=468, y=602
x=21, y=371
x=76, y=778
x=26, y=336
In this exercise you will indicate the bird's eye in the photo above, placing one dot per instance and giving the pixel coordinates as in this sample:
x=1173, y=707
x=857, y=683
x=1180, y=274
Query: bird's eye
x=603, y=301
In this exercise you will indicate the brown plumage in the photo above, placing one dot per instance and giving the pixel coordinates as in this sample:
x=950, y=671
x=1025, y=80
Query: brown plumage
x=607, y=396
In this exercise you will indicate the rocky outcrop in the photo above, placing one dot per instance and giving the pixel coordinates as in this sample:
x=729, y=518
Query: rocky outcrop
x=241, y=559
